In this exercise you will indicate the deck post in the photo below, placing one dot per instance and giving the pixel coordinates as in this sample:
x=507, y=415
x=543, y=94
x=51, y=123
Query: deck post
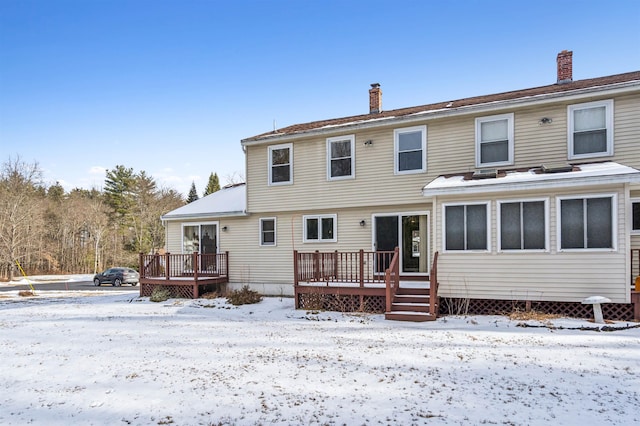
x=361, y=268
x=295, y=279
x=316, y=265
x=167, y=266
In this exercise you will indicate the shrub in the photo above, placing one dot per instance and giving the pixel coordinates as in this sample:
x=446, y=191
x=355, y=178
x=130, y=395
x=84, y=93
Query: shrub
x=160, y=294
x=244, y=296
x=25, y=293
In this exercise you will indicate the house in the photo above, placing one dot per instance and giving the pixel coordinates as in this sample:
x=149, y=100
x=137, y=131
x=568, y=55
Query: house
x=528, y=198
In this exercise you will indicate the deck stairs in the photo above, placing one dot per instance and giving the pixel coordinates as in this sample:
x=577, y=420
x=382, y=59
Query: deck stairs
x=411, y=304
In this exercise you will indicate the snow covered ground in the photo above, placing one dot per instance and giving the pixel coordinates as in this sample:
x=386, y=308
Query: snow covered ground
x=112, y=358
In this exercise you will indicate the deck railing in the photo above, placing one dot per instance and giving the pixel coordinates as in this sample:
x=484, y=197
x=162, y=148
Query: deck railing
x=433, y=286
x=360, y=267
x=183, y=265
x=392, y=279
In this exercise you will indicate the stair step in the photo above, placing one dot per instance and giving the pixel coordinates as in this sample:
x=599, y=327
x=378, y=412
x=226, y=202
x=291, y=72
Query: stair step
x=413, y=290
x=416, y=307
x=409, y=316
x=410, y=298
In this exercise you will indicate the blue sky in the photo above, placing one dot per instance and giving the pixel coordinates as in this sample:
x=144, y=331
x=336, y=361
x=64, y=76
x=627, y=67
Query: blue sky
x=171, y=87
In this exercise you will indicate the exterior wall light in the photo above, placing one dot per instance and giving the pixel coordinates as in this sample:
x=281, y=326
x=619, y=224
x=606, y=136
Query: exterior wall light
x=363, y=223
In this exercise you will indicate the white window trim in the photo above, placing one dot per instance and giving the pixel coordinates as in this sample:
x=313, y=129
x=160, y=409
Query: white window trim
x=631, y=230
x=199, y=225
x=608, y=104
x=270, y=164
x=487, y=204
x=275, y=232
x=499, y=227
x=399, y=215
x=352, y=140
x=510, y=135
x=614, y=220
x=320, y=217
x=396, y=138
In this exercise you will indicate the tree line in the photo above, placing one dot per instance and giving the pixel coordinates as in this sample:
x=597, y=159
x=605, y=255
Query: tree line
x=49, y=231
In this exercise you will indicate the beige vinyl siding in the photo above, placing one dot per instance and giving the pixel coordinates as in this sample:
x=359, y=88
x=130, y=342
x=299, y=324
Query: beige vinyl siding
x=627, y=131
x=269, y=269
x=550, y=276
x=450, y=149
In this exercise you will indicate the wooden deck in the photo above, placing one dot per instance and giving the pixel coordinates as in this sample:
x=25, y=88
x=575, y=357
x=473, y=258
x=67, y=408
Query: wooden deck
x=363, y=281
x=184, y=275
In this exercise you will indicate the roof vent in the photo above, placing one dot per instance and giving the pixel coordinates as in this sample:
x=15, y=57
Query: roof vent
x=556, y=168
x=485, y=174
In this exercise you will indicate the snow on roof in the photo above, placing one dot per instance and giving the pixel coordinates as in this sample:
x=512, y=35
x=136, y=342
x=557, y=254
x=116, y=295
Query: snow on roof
x=583, y=174
x=228, y=201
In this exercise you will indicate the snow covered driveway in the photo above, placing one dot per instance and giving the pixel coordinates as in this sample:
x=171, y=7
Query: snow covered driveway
x=118, y=359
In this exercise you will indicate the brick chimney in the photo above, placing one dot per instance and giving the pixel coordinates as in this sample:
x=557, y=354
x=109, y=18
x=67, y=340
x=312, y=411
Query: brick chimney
x=565, y=66
x=375, y=99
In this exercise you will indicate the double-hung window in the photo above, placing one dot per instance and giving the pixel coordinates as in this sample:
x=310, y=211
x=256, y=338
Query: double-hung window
x=587, y=222
x=410, y=146
x=320, y=228
x=494, y=140
x=268, y=231
x=466, y=227
x=590, y=131
x=341, y=157
x=281, y=164
x=522, y=225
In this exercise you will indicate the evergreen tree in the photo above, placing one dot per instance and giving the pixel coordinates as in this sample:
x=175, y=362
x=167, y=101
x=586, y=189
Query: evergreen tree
x=213, y=185
x=193, y=194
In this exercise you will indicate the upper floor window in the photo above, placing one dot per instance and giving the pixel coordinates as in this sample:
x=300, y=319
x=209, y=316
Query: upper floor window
x=281, y=164
x=410, y=145
x=268, y=231
x=320, y=228
x=587, y=222
x=590, y=132
x=522, y=225
x=466, y=226
x=494, y=140
x=341, y=157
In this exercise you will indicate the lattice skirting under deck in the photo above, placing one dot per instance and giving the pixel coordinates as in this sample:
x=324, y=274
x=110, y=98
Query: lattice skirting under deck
x=610, y=311
x=451, y=306
x=341, y=303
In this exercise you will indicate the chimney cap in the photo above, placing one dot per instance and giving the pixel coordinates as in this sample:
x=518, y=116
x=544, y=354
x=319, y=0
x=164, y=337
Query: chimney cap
x=375, y=85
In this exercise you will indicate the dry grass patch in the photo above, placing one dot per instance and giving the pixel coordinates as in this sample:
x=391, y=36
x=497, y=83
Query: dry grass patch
x=26, y=293
x=532, y=316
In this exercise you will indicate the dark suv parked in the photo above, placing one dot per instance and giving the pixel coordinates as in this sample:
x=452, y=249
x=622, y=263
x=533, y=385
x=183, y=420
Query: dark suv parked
x=117, y=276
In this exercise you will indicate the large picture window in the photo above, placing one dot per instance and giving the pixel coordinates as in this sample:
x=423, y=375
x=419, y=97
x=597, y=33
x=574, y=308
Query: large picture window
x=410, y=149
x=522, y=225
x=587, y=222
x=494, y=140
x=466, y=226
x=590, y=131
x=321, y=228
x=281, y=164
x=341, y=157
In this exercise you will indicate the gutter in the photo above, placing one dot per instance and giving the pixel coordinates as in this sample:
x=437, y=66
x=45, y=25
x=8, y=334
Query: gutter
x=203, y=216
